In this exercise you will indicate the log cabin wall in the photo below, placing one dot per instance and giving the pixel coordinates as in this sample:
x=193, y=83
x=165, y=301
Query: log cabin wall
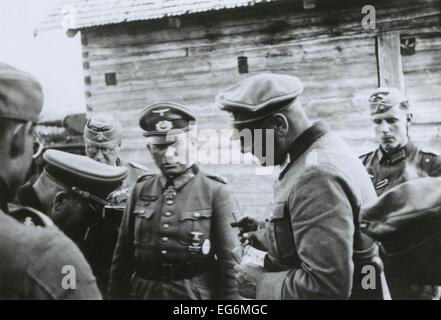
x=191, y=58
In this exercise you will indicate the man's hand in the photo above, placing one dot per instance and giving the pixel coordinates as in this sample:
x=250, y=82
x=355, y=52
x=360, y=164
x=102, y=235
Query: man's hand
x=247, y=276
x=247, y=232
x=246, y=224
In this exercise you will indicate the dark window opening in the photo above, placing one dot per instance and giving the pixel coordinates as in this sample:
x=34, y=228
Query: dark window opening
x=242, y=63
x=111, y=79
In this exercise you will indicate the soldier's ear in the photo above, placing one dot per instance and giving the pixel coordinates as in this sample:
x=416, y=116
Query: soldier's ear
x=281, y=125
x=59, y=201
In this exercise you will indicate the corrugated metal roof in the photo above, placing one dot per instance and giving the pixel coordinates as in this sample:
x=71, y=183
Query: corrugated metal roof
x=80, y=14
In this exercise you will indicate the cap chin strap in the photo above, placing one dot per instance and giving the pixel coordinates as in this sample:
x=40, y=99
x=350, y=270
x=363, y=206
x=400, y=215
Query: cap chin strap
x=81, y=193
x=88, y=195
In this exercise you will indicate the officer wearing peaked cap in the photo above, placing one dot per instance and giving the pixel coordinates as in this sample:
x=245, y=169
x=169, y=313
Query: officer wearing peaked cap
x=312, y=236
x=175, y=240
x=397, y=160
x=73, y=189
x=32, y=258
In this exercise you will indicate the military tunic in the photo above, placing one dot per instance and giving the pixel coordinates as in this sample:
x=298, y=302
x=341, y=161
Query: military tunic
x=401, y=165
x=315, y=248
x=388, y=170
x=175, y=240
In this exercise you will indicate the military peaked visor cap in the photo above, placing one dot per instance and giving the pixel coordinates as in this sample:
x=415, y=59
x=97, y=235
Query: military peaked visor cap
x=84, y=176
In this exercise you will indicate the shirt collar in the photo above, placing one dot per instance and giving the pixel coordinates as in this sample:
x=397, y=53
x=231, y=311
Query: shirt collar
x=181, y=180
x=398, y=154
x=302, y=143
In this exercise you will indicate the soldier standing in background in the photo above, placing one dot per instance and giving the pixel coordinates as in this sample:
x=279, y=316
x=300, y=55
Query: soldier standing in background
x=395, y=161
x=32, y=259
x=315, y=248
x=175, y=240
x=103, y=139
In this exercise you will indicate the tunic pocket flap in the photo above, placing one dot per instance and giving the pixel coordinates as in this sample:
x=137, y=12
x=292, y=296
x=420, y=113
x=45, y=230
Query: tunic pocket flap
x=278, y=211
x=143, y=212
x=196, y=214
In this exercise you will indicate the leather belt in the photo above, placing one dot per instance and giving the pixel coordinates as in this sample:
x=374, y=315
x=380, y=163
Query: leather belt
x=175, y=272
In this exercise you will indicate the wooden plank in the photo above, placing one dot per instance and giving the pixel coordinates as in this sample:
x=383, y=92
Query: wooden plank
x=390, y=65
x=325, y=47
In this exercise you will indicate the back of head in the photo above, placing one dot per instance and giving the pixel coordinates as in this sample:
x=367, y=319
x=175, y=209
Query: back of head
x=21, y=101
x=21, y=95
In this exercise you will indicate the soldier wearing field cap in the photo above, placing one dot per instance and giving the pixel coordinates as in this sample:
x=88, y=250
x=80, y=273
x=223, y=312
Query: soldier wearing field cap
x=33, y=254
x=74, y=190
x=103, y=139
x=397, y=160
x=315, y=249
x=175, y=240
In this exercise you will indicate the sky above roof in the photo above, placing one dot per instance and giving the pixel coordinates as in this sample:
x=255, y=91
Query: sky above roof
x=51, y=57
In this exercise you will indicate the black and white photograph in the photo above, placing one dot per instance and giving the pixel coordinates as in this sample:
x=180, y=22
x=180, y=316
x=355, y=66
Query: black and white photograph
x=231, y=151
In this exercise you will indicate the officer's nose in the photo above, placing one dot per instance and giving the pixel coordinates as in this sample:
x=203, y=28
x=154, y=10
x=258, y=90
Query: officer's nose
x=171, y=155
x=385, y=127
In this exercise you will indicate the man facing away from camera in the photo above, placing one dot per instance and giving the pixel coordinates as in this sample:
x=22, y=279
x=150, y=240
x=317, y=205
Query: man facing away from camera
x=175, y=240
x=395, y=161
x=315, y=249
x=73, y=190
x=33, y=258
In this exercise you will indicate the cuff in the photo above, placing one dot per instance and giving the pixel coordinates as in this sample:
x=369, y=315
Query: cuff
x=270, y=285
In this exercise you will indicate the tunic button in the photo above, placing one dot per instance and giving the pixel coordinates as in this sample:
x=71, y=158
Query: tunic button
x=164, y=252
x=168, y=214
x=166, y=226
x=164, y=239
x=196, y=215
x=170, y=202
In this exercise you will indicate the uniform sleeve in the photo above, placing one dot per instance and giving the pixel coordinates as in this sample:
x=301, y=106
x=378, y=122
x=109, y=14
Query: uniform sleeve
x=322, y=224
x=224, y=241
x=57, y=270
x=123, y=257
x=435, y=168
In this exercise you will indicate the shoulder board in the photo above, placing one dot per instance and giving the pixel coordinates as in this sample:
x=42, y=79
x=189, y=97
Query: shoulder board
x=145, y=177
x=217, y=178
x=366, y=155
x=429, y=152
x=139, y=166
